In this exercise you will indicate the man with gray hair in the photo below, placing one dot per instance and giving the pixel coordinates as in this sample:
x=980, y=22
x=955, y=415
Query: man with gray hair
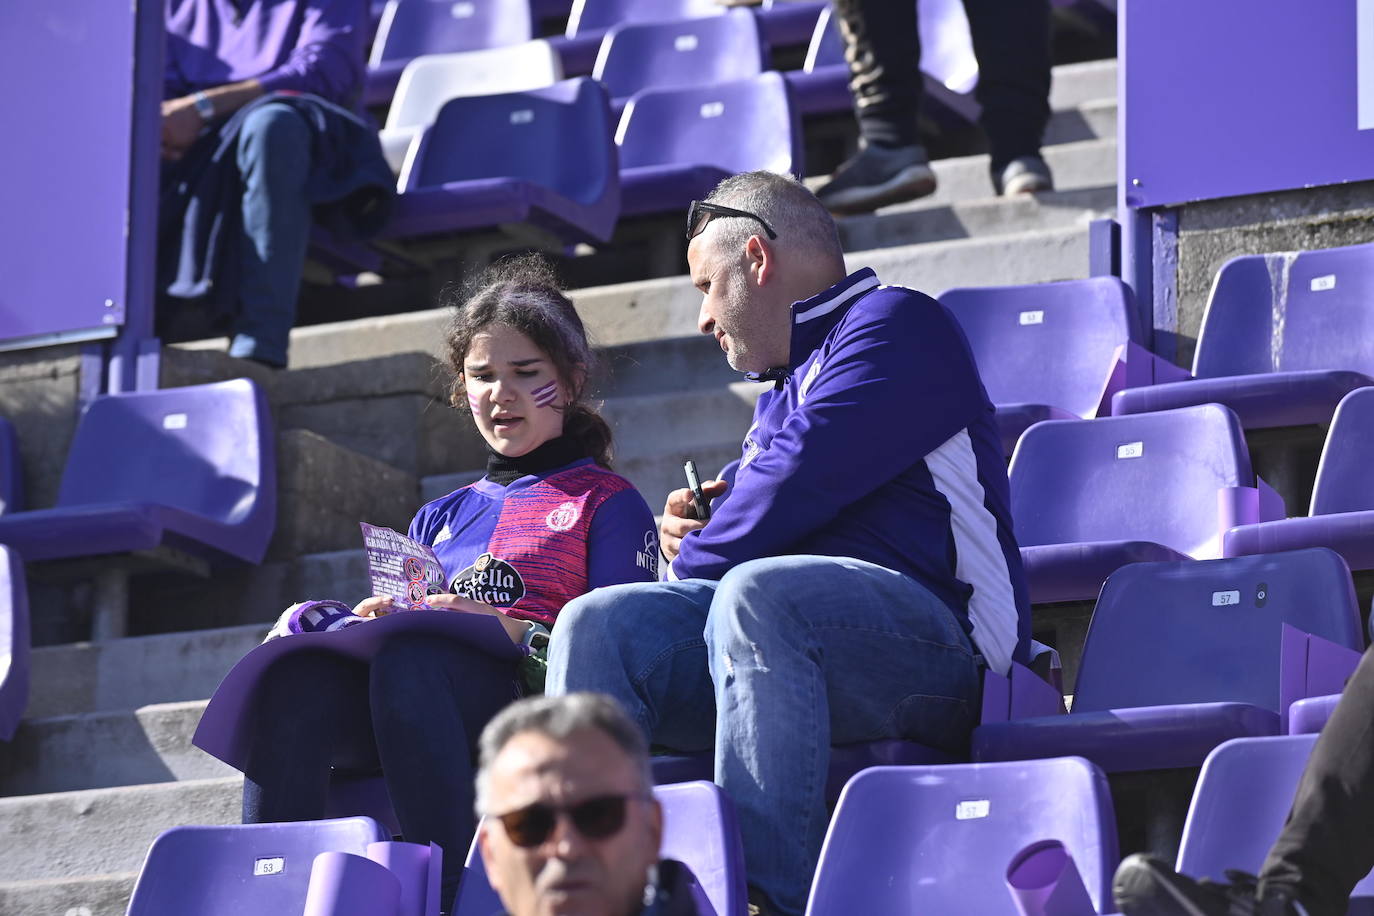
x=571, y=824
x=858, y=569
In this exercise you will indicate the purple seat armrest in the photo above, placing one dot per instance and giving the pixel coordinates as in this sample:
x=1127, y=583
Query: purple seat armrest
x=1238, y=506
x=1044, y=881
x=1019, y=695
x=1133, y=366
x=1310, y=666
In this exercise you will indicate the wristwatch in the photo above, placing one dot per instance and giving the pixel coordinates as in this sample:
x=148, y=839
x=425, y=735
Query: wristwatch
x=204, y=106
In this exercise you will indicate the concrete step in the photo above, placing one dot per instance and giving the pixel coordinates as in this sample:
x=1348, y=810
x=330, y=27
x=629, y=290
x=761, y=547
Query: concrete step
x=1092, y=120
x=1082, y=164
x=1072, y=85
x=105, y=749
x=68, y=835
x=98, y=895
x=124, y=674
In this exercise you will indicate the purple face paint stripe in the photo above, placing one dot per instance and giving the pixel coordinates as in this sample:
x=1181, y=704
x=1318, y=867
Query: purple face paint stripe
x=474, y=403
x=545, y=395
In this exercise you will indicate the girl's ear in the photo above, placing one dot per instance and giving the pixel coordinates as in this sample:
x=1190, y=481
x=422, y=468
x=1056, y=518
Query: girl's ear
x=579, y=378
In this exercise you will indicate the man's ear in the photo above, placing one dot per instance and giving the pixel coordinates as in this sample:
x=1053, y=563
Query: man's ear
x=759, y=254
x=656, y=823
x=484, y=848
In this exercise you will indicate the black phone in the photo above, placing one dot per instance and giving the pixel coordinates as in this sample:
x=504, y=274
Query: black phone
x=702, y=507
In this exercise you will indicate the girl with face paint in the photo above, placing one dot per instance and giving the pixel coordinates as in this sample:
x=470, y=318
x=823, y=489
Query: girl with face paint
x=548, y=522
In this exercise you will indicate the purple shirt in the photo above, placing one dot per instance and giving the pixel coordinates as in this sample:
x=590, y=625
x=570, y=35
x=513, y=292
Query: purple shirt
x=314, y=46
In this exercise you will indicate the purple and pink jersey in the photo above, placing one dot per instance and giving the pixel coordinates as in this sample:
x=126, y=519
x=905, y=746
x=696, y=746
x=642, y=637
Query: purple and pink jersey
x=534, y=545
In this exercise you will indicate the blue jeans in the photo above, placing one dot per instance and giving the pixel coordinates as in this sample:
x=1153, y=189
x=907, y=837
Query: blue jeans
x=274, y=158
x=772, y=664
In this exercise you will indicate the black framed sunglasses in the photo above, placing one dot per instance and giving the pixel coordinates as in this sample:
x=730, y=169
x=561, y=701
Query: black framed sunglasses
x=595, y=818
x=701, y=213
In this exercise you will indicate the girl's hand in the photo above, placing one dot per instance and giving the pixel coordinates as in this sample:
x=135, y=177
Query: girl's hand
x=515, y=629
x=376, y=606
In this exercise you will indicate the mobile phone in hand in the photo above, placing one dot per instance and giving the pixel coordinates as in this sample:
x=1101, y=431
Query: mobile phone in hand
x=702, y=507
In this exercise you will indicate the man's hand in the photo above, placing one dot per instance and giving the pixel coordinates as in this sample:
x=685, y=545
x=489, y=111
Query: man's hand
x=515, y=629
x=679, y=517
x=181, y=124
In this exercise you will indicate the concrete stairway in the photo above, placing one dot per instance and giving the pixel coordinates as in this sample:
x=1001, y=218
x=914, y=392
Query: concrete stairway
x=104, y=761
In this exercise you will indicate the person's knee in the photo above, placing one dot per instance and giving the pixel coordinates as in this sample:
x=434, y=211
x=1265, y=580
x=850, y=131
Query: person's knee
x=411, y=659
x=277, y=139
x=754, y=601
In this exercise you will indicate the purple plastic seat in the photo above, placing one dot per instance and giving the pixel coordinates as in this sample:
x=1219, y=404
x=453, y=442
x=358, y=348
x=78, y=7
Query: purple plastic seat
x=938, y=839
x=1284, y=338
x=546, y=157
x=1309, y=716
x=1090, y=496
x=688, y=52
x=244, y=868
x=410, y=28
x=14, y=643
x=1046, y=351
x=699, y=830
x=676, y=145
x=1342, y=511
x=1241, y=802
x=1180, y=657
x=191, y=468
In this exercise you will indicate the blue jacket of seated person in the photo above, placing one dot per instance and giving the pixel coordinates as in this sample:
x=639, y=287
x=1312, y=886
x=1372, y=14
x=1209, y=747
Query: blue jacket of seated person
x=878, y=442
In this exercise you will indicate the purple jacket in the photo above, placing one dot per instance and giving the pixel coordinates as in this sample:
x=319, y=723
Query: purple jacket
x=315, y=46
x=879, y=445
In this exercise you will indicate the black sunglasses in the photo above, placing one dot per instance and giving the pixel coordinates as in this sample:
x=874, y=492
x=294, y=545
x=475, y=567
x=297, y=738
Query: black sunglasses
x=596, y=819
x=701, y=213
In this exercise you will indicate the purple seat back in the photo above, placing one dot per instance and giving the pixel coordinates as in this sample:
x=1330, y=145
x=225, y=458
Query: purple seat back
x=1046, y=343
x=827, y=46
x=410, y=28
x=699, y=830
x=14, y=642
x=559, y=138
x=689, y=52
x=244, y=868
x=1345, y=480
x=599, y=15
x=1242, y=799
x=206, y=449
x=1149, y=477
x=939, y=839
x=1290, y=311
x=737, y=127
x=1208, y=631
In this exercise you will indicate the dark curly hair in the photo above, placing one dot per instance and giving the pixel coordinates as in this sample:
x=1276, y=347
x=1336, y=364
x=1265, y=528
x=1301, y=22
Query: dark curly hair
x=523, y=293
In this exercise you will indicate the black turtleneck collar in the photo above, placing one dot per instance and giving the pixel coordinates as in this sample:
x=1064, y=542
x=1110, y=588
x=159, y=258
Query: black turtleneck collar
x=552, y=454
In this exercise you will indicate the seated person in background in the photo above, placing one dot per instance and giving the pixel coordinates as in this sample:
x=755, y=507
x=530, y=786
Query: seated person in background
x=549, y=516
x=1326, y=846
x=862, y=570
x=572, y=825
x=256, y=130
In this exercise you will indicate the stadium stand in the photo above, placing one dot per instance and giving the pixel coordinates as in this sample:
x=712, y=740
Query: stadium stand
x=699, y=830
x=940, y=839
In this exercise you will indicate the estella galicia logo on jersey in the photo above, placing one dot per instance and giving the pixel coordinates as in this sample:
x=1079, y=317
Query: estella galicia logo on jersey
x=490, y=581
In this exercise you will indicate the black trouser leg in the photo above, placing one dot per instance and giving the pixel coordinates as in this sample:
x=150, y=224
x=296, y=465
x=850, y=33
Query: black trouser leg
x=883, y=48
x=1011, y=39
x=1327, y=845
x=305, y=700
x=430, y=701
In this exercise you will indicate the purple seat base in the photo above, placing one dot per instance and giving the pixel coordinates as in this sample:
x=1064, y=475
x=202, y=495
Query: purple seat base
x=1015, y=419
x=488, y=202
x=1309, y=716
x=1350, y=534
x=1124, y=740
x=84, y=531
x=845, y=761
x=665, y=188
x=1260, y=401
x=1075, y=572
x=824, y=90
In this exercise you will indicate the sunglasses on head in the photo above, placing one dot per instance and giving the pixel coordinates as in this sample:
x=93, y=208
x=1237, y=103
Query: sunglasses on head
x=595, y=818
x=701, y=213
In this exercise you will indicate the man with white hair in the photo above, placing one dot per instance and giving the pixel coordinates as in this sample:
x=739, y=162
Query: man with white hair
x=860, y=569
x=572, y=826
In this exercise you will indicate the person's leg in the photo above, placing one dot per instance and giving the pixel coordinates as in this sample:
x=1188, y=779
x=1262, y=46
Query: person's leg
x=808, y=651
x=1011, y=40
x=883, y=49
x=642, y=644
x=274, y=158
x=1326, y=846
x=430, y=700
x=305, y=701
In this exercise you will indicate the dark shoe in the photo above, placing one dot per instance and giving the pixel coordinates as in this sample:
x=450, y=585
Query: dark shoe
x=1026, y=175
x=1145, y=886
x=877, y=176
